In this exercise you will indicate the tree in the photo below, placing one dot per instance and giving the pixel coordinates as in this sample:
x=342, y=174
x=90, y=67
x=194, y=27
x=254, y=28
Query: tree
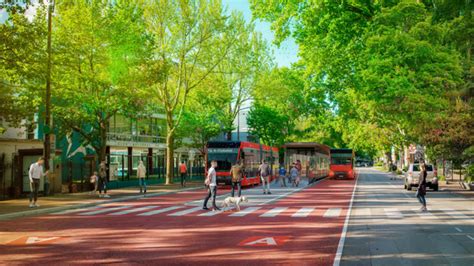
x=22, y=53
x=188, y=40
x=97, y=47
x=267, y=124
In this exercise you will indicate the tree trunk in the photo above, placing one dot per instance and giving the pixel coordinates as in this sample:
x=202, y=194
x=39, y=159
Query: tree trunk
x=229, y=135
x=169, y=157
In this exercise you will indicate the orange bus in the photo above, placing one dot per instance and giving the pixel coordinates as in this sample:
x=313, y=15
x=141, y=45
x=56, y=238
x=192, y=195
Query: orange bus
x=342, y=164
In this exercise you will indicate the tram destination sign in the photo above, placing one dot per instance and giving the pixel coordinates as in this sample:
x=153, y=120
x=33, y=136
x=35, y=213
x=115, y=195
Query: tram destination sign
x=223, y=150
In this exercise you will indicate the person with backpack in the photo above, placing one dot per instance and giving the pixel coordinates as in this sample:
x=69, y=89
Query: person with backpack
x=236, y=174
x=282, y=176
x=35, y=173
x=421, y=191
x=141, y=174
x=294, y=174
x=264, y=171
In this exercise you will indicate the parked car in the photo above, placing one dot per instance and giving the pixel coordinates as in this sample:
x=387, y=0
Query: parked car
x=413, y=174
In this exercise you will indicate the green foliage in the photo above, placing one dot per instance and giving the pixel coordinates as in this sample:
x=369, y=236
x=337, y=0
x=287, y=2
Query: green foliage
x=97, y=45
x=267, y=124
x=22, y=68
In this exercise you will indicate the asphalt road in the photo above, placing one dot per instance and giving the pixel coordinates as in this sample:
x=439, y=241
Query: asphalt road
x=387, y=228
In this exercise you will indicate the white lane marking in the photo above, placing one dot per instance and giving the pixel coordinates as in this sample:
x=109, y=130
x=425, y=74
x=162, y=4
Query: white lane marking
x=340, y=246
x=248, y=210
x=303, y=212
x=210, y=213
x=274, y=212
x=133, y=210
x=457, y=229
x=393, y=213
x=290, y=192
x=470, y=237
x=105, y=210
x=456, y=214
x=172, y=208
x=76, y=210
x=188, y=211
x=332, y=213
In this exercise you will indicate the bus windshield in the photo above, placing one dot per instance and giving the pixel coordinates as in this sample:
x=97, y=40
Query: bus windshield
x=224, y=160
x=341, y=160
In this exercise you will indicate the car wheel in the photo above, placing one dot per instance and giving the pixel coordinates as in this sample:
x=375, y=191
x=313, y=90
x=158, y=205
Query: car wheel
x=408, y=187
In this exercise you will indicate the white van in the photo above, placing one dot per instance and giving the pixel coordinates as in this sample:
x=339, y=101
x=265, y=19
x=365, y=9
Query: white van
x=413, y=174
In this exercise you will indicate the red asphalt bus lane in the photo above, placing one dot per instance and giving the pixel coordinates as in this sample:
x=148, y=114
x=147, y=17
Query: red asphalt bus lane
x=188, y=239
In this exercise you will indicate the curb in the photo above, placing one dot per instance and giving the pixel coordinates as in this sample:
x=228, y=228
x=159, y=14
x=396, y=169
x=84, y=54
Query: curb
x=85, y=205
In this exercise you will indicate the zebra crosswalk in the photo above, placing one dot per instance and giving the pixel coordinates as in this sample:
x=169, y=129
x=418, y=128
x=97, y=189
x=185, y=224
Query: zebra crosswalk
x=268, y=212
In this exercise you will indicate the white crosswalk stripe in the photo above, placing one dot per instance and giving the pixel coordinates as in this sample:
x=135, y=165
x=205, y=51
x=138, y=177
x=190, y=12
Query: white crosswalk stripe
x=188, y=211
x=393, y=213
x=422, y=214
x=75, y=210
x=172, y=208
x=133, y=210
x=332, y=213
x=366, y=212
x=456, y=214
x=274, y=212
x=210, y=213
x=303, y=212
x=245, y=212
x=104, y=210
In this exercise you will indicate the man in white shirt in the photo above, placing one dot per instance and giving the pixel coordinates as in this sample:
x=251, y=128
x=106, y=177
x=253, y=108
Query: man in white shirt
x=211, y=183
x=35, y=174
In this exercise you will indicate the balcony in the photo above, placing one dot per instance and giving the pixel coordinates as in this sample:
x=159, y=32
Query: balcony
x=130, y=140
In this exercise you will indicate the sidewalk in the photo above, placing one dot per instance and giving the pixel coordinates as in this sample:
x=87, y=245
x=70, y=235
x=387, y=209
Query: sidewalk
x=19, y=207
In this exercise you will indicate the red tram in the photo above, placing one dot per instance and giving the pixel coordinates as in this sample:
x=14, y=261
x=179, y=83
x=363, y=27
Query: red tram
x=314, y=158
x=226, y=153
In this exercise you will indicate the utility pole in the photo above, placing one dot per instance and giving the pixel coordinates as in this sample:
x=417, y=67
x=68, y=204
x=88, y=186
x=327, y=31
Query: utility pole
x=48, y=129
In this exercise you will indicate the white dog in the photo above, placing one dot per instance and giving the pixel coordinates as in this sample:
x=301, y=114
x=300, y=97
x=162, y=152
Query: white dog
x=231, y=201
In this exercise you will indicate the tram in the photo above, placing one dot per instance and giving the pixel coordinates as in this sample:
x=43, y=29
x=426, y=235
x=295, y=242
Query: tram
x=227, y=153
x=314, y=159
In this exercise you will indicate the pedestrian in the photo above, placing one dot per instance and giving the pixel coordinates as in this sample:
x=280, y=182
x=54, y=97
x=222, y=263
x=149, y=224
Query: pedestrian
x=35, y=173
x=264, y=171
x=282, y=176
x=103, y=180
x=141, y=174
x=183, y=170
x=94, y=180
x=294, y=173
x=299, y=166
x=236, y=173
x=211, y=184
x=421, y=191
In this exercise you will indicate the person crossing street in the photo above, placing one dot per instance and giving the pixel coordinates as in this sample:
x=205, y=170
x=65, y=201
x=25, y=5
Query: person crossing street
x=236, y=174
x=264, y=171
x=211, y=183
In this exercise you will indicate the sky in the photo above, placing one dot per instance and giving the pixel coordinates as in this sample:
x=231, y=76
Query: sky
x=284, y=55
x=287, y=53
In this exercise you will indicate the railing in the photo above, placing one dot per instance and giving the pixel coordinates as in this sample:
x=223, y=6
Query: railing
x=135, y=138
